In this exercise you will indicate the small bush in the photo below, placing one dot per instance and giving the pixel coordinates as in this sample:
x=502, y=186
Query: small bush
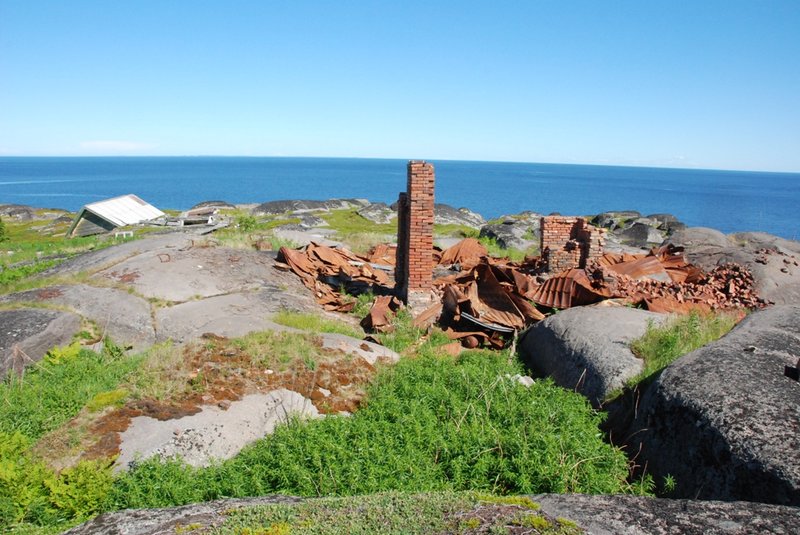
x=32, y=493
x=246, y=223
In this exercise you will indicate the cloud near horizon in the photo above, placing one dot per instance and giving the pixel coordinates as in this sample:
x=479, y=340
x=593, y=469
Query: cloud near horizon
x=114, y=146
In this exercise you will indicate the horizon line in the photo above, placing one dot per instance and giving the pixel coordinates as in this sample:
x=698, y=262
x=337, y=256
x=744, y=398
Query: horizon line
x=642, y=166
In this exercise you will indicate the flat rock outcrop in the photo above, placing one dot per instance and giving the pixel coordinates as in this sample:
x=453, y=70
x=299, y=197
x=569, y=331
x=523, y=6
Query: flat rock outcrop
x=724, y=420
x=773, y=261
x=293, y=206
x=121, y=315
x=230, y=315
x=597, y=515
x=587, y=348
x=27, y=334
x=213, y=433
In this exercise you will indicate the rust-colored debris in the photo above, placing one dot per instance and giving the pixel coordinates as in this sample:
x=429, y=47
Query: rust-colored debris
x=467, y=253
x=327, y=270
x=487, y=300
x=380, y=315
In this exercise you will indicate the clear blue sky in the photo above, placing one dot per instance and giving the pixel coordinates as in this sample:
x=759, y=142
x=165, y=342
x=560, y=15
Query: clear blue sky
x=711, y=84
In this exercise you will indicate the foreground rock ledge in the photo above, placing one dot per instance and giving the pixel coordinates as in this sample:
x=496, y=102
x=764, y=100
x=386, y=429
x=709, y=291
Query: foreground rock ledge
x=602, y=515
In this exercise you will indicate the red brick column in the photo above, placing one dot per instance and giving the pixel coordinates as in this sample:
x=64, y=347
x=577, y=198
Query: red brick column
x=414, y=273
x=569, y=242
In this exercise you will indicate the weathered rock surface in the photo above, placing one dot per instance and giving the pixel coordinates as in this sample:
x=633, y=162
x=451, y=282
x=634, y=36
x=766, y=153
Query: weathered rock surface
x=170, y=520
x=191, y=272
x=213, y=204
x=213, y=433
x=379, y=213
x=444, y=214
x=109, y=256
x=231, y=315
x=17, y=211
x=283, y=207
x=521, y=231
x=773, y=261
x=587, y=348
x=615, y=219
x=724, y=421
x=33, y=331
x=642, y=233
x=120, y=315
x=368, y=351
x=597, y=515
x=633, y=515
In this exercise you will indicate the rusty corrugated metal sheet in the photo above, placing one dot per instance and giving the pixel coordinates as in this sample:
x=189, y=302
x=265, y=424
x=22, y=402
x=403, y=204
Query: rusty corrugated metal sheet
x=567, y=289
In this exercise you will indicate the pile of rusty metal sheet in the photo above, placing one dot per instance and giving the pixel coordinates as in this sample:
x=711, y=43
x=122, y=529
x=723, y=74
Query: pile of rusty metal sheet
x=327, y=271
x=485, y=304
x=488, y=300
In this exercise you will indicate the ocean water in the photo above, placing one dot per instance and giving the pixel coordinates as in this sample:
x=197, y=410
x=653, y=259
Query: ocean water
x=730, y=201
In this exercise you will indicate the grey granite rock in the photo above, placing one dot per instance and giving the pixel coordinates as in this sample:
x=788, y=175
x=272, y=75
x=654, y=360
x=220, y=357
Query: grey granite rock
x=587, y=348
x=633, y=515
x=298, y=207
x=33, y=331
x=724, y=420
x=521, y=231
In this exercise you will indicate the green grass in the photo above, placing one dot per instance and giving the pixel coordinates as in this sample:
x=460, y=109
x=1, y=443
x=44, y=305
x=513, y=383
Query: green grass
x=55, y=390
x=387, y=513
x=430, y=424
x=348, y=222
x=660, y=346
x=279, y=349
x=316, y=323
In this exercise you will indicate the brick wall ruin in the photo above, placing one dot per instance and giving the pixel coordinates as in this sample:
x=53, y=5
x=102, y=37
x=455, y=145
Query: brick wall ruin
x=569, y=242
x=414, y=270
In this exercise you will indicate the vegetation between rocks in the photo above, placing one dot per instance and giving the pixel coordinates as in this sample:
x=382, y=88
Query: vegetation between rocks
x=661, y=345
x=396, y=513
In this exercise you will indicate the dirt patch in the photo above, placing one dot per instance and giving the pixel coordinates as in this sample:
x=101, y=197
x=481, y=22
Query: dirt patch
x=125, y=276
x=49, y=293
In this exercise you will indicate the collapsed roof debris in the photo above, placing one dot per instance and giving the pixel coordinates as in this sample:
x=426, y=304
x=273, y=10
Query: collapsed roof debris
x=327, y=271
x=487, y=300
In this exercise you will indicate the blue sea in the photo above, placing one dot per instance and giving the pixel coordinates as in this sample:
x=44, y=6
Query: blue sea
x=730, y=201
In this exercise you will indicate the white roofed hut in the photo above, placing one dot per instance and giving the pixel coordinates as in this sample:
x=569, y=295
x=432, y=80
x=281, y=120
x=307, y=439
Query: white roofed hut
x=105, y=216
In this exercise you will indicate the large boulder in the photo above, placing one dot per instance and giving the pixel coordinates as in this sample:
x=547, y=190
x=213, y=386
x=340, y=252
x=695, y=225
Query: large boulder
x=773, y=261
x=520, y=231
x=28, y=333
x=444, y=214
x=724, y=420
x=587, y=348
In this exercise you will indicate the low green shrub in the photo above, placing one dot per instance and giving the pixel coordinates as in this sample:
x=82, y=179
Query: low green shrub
x=31, y=493
x=430, y=423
